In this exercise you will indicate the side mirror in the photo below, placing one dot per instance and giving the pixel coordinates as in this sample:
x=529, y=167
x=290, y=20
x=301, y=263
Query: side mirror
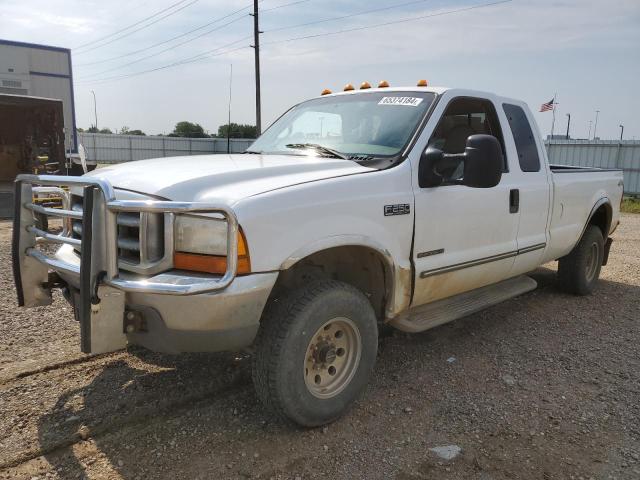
x=483, y=162
x=428, y=176
x=482, y=159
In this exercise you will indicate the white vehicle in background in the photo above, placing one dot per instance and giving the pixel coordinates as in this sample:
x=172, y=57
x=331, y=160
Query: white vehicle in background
x=402, y=206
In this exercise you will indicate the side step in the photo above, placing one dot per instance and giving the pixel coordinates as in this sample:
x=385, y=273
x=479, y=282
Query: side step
x=442, y=311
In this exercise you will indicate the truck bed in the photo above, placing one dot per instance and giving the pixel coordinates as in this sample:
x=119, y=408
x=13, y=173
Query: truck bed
x=574, y=197
x=575, y=169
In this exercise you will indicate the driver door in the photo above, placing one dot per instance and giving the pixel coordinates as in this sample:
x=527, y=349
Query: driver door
x=465, y=238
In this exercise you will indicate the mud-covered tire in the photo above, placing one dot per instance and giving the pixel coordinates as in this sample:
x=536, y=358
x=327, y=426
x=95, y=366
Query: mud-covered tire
x=578, y=271
x=327, y=318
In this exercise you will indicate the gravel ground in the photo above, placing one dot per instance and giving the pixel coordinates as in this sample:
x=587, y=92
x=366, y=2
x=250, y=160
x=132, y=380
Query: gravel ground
x=546, y=386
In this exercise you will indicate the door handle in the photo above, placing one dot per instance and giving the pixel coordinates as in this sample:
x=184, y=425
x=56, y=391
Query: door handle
x=514, y=200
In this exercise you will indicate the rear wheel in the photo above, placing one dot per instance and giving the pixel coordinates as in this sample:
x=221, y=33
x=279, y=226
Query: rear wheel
x=578, y=272
x=315, y=351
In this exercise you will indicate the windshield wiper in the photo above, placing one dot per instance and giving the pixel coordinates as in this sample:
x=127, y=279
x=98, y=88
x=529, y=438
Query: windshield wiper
x=319, y=148
x=252, y=151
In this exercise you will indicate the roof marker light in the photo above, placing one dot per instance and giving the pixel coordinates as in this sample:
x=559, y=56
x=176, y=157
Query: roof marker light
x=383, y=84
x=326, y=91
x=348, y=87
x=422, y=83
x=365, y=85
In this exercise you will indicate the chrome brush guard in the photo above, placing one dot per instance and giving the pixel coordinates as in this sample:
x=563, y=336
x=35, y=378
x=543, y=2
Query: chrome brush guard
x=97, y=273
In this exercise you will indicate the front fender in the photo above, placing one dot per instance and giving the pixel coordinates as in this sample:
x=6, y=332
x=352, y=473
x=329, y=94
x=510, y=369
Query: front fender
x=399, y=274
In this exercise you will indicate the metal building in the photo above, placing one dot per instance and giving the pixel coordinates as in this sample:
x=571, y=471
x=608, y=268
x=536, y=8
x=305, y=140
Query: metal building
x=40, y=71
x=36, y=102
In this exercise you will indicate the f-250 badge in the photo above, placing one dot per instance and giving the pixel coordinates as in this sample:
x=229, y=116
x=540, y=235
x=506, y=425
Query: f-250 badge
x=398, y=209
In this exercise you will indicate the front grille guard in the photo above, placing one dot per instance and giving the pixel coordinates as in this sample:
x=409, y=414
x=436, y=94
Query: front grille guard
x=98, y=247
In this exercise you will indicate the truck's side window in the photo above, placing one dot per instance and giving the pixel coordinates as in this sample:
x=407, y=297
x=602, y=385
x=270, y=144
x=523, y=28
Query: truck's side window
x=523, y=138
x=465, y=116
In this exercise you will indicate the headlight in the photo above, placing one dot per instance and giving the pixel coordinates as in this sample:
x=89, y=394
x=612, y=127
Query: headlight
x=204, y=235
x=201, y=245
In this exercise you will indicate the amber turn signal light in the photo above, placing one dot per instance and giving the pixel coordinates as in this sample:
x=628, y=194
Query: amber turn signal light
x=197, y=262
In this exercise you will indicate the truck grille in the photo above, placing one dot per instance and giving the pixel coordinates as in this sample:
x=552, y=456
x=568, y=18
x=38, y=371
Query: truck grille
x=140, y=237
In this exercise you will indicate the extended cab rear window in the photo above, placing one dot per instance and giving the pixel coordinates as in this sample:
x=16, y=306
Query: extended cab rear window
x=523, y=137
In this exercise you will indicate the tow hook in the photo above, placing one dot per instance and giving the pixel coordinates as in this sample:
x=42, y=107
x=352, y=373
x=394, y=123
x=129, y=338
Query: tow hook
x=134, y=322
x=54, y=281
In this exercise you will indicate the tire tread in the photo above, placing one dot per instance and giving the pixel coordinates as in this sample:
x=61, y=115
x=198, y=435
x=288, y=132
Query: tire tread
x=571, y=276
x=276, y=321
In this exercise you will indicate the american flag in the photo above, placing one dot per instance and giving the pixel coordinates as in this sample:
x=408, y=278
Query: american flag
x=545, y=107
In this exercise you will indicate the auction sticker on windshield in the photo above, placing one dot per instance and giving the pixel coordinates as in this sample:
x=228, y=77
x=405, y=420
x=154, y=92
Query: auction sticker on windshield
x=408, y=101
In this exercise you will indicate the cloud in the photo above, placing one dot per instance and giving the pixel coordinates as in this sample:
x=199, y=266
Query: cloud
x=498, y=48
x=514, y=27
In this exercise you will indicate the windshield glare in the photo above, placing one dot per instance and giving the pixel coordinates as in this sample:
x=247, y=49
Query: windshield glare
x=375, y=124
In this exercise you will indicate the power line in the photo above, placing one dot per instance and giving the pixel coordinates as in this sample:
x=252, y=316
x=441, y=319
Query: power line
x=194, y=58
x=124, y=35
x=282, y=6
x=207, y=54
x=342, y=17
x=130, y=26
x=393, y=22
x=165, y=50
x=165, y=41
x=177, y=37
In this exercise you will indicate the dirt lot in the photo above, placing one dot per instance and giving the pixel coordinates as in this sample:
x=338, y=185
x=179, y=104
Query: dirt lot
x=546, y=386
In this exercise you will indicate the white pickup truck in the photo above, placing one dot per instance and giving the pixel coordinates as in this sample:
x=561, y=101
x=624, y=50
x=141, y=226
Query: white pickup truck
x=402, y=206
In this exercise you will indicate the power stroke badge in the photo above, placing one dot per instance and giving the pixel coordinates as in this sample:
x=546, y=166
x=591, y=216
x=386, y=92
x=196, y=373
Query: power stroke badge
x=398, y=209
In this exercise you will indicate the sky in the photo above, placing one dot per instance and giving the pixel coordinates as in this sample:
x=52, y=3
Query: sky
x=585, y=52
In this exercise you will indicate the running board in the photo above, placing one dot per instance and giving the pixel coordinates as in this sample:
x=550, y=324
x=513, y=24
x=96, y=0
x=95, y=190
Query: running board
x=442, y=311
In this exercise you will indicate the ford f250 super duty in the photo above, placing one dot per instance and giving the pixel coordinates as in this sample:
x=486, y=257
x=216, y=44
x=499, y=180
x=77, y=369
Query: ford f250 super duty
x=402, y=206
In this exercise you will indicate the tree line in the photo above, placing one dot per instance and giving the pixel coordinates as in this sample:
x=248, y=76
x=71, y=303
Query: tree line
x=187, y=129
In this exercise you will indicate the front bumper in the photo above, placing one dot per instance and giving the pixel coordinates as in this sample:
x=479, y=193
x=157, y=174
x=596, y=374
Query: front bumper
x=222, y=320
x=176, y=311
x=226, y=320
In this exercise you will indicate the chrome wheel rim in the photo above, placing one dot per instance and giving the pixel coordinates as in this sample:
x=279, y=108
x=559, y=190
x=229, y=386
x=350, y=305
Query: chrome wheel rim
x=592, y=262
x=332, y=357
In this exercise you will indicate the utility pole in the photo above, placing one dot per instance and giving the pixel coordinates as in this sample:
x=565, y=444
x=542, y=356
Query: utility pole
x=621, y=131
x=256, y=48
x=229, y=120
x=595, y=127
x=568, y=124
x=590, y=125
x=95, y=109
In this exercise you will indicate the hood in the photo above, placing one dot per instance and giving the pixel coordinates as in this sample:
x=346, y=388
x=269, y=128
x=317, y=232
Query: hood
x=230, y=178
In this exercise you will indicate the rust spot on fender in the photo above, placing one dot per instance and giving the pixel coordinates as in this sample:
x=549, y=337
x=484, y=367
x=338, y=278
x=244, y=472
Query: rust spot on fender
x=401, y=295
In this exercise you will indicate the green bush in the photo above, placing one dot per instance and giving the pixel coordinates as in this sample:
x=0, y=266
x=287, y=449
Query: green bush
x=630, y=205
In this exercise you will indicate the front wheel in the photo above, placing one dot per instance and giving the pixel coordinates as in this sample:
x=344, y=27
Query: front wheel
x=315, y=351
x=578, y=272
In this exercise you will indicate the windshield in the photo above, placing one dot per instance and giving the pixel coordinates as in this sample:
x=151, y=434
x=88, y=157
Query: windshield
x=358, y=126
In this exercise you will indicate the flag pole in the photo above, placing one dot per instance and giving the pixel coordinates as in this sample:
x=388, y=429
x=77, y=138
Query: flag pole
x=553, y=121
